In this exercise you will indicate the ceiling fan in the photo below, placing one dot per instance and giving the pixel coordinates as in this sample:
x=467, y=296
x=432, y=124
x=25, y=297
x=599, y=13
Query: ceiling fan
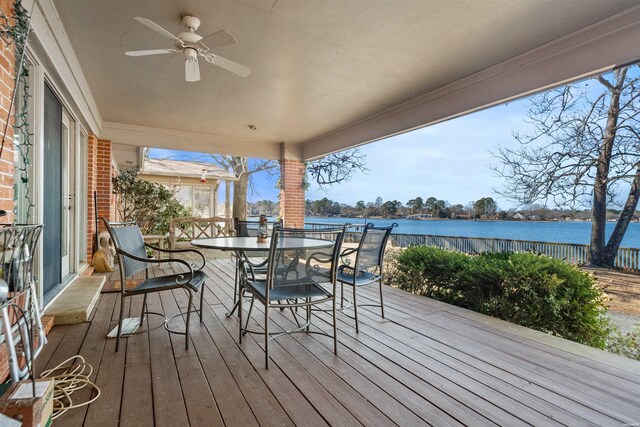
x=191, y=45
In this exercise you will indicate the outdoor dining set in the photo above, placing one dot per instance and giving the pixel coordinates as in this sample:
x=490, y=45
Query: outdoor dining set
x=293, y=270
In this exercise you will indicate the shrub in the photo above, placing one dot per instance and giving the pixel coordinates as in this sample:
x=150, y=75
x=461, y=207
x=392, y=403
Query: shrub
x=150, y=204
x=535, y=291
x=627, y=345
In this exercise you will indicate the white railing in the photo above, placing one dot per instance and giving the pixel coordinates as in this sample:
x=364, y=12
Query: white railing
x=626, y=259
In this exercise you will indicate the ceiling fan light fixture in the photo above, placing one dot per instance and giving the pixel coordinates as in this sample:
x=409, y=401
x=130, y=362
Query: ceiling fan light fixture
x=193, y=46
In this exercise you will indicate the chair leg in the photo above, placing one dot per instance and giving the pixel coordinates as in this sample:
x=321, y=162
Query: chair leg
x=144, y=308
x=253, y=299
x=341, y=295
x=240, y=289
x=235, y=281
x=308, y=300
x=335, y=326
x=186, y=335
x=294, y=313
x=266, y=335
x=120, y=318
x=355, y=308
x=381, y=303
x=202, y=301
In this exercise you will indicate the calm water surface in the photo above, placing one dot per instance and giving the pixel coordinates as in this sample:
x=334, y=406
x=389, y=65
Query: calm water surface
x=564, y=232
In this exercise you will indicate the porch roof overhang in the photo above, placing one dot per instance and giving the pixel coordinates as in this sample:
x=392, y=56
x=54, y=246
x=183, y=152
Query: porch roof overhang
x=184, y=169
x=326, y=75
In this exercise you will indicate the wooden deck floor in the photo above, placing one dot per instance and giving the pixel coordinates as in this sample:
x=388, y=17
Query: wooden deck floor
x=428, y=363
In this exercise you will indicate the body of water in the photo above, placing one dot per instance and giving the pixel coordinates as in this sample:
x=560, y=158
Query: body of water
x=562, y=231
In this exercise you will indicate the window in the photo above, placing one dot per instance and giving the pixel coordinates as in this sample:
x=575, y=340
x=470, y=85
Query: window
x=202, y=202
x=197, y=198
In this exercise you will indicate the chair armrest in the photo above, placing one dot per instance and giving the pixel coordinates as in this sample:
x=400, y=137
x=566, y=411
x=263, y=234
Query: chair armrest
x=320, y=258
x=160, y=261
x=255, y=264
x=348, y=251
x=196, y=267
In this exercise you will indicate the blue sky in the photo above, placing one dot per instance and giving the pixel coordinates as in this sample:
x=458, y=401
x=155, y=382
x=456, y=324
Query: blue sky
x=448, y=161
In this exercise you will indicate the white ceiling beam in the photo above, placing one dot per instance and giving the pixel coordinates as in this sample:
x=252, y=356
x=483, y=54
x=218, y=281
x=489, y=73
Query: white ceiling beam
x=144, y=136
x=594, y=49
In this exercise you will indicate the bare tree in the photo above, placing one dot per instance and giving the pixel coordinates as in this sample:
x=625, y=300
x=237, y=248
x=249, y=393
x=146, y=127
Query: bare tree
x=337, y=167
x=327, y=171
x=585, y=143
x=242, y=168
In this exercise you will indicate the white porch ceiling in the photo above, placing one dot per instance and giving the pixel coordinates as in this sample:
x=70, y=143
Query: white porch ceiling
x=318, y=66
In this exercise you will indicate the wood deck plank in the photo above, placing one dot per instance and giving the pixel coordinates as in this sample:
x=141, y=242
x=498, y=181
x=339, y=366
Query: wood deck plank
x=424, y=408
x=332, y=407
x=201, y=406
x=523, y=363
x=168, y=400
x=91, y=349
x=298, y=408
x=567, y=350
x=106, y=410
x=426, y=363
x=492, y=336
x=54, y=339
x=137, y=392
x=263, y=403
x=231, y=403
x=504, y=382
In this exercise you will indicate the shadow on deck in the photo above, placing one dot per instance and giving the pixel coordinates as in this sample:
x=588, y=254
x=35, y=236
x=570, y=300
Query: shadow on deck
x=426, y=363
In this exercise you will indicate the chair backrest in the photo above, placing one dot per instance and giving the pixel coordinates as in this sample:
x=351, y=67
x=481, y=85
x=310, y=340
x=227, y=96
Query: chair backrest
x=371, y=247
x=292, y=256
x=127, y=237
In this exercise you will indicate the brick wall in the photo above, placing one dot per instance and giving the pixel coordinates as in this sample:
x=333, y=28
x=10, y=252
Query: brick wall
x=103, y=182
x=99, y=173
x=291, y=192
x=92, y=174
x=7, y=73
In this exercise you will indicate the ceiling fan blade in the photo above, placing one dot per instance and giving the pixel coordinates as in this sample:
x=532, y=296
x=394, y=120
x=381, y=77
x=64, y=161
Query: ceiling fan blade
x=219, y=39
x=191, y=70
x=157, y=28
x=149, y=52
x=228, y=65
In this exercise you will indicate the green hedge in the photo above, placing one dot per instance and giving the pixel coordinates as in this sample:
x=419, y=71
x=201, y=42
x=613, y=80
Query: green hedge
x=531, y=290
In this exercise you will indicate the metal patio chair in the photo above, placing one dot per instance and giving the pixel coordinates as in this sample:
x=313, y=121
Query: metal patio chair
x=296, y=277
x=367, y=268
x=132, y=257
x=257, y=265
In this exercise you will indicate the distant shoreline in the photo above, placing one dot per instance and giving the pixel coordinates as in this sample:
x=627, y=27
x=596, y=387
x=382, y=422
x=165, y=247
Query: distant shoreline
x=449, y=219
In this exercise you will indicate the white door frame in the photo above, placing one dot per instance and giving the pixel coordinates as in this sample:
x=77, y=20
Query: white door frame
x=67, y=228
x=77, y=162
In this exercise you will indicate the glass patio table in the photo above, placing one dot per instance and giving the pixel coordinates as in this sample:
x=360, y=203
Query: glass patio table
x=243, y=245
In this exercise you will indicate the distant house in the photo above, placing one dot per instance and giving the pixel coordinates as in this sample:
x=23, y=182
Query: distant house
x=518, y=216
x=185, y=176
